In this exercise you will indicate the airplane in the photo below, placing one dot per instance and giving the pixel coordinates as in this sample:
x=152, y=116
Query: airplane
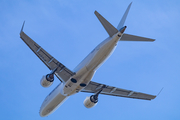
x=79, y=79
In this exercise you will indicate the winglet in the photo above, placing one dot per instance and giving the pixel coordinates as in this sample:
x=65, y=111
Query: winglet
x=160, y=91
x=22, y=27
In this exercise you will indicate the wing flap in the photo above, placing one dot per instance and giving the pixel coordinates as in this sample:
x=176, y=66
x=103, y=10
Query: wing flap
x=63, y=73
x=92, y=87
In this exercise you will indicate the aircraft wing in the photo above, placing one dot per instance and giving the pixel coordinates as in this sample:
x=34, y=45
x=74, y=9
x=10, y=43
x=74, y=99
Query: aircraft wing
x=93, y=87
x=62, y=72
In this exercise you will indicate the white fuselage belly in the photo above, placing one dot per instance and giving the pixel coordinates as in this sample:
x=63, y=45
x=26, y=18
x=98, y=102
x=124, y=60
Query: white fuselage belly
x=84, y=73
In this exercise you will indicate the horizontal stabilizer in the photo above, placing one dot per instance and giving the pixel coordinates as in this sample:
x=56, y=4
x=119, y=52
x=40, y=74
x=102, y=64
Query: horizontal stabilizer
x=128, y=37
x=111, y=30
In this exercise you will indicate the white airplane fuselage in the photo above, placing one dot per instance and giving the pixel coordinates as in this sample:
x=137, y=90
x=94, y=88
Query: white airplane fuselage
x=84, y=73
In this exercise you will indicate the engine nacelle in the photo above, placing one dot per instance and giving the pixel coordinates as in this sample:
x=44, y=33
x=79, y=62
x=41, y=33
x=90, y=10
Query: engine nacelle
x=47, y=80
x=90, y=102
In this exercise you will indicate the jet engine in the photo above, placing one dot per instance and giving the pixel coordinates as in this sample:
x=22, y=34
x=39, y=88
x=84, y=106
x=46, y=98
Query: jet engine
x=47, y=80
x=91, y=101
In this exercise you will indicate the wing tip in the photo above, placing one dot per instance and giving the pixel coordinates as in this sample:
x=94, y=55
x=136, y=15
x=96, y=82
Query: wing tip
x=158, y=93
x=154, y=97
x=22, y=27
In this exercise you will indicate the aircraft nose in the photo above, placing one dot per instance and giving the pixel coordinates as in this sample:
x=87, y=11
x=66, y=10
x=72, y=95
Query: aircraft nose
x=42, y=113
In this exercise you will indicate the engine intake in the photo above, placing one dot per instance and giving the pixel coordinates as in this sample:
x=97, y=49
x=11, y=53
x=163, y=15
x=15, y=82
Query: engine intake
x=47, y=80
x=50, y=77
x=91, y=101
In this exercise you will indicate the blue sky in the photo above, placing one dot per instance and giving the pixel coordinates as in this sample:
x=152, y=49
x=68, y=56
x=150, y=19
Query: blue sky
x=69, y=30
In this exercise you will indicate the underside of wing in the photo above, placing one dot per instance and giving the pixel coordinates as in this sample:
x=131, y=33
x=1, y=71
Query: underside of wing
x=93, y=87
x=62, y=72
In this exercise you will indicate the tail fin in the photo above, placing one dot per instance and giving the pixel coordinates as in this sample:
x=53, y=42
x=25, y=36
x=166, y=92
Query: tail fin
x=111, y=30
x=121, y=23
x=128, y=37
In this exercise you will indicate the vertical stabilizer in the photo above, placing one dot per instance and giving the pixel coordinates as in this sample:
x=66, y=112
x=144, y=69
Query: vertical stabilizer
x=111, y=30
x=124, y=18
